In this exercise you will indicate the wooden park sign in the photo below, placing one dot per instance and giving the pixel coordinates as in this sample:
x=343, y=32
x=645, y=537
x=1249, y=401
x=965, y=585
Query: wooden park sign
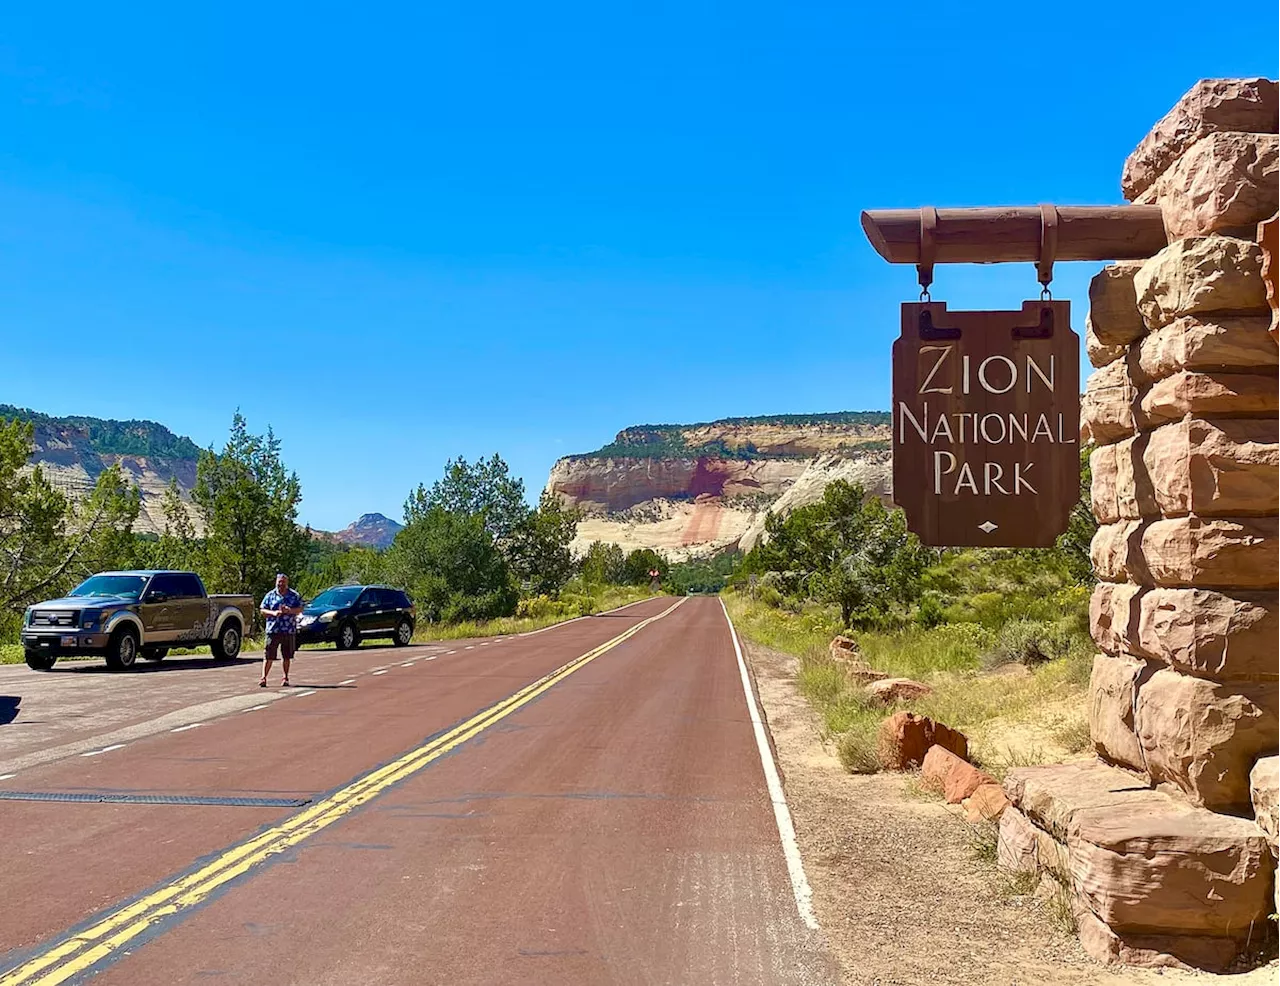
x=986, y=423
x=986, y=404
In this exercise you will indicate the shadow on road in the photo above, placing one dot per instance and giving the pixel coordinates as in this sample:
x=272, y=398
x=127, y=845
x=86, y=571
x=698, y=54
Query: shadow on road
x=9, y=708
x=150, y=667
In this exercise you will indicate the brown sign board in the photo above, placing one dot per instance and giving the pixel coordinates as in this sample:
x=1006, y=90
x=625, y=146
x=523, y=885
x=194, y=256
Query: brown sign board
x=986, y=424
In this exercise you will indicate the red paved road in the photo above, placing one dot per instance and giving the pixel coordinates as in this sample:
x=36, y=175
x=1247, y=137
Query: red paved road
x=616, y=829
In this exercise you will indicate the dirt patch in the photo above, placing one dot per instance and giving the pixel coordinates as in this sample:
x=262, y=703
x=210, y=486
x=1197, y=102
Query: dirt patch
x=897, y=888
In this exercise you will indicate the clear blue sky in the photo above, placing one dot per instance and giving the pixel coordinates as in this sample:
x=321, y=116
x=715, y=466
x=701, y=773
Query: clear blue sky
x=403, y=232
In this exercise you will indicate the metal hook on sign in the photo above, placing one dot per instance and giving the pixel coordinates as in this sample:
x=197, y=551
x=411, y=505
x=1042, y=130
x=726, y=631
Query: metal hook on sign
x=928, y=249
x=1048, y=248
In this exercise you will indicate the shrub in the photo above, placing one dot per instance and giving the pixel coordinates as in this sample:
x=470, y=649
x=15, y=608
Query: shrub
x=1030, y=642
x=857, y=750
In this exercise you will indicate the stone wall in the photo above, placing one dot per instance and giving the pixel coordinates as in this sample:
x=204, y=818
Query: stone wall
x=1182, y=410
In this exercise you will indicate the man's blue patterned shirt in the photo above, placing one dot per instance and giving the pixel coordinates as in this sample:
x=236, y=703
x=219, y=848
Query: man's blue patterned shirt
x=274, y=600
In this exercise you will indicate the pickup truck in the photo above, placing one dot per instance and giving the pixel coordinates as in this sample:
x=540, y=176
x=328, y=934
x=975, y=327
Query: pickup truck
x=124, y=615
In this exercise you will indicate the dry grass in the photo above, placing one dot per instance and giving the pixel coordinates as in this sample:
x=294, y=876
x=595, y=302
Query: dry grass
x=1033, y=716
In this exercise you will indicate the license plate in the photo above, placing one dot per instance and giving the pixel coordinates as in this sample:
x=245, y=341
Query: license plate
x=68, y=641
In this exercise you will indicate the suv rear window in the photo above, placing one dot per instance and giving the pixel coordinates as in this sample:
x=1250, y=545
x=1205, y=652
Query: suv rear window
x=389, y=599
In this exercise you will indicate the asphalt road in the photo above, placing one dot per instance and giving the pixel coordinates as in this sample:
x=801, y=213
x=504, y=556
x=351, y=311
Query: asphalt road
x=584, y=805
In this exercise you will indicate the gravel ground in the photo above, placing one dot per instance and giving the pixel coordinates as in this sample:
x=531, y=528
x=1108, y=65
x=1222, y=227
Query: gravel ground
x=900, y=893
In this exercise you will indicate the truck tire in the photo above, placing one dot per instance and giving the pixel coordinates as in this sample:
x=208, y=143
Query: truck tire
x=226, y=647
x=37, y=661
x=154, y=653
x=348, y=636
x=122, y=649
x=404, y=633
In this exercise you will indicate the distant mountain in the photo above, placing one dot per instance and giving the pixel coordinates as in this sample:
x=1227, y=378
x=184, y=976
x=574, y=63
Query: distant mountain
x=73, y=451
x=371, y=531
x=695, y=490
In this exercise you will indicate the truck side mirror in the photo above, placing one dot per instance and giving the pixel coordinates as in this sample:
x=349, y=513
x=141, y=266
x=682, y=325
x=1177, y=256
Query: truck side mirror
x=156, y=596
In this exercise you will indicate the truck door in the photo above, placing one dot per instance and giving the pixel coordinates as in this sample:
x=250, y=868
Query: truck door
x=156, y=610
x=191, y=609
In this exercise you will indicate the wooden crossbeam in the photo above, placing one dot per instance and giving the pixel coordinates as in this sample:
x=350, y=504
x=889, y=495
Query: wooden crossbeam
x=1011, y=235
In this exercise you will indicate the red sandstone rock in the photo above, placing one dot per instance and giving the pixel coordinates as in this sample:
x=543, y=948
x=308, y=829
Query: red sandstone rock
x=1207, y=394
x=1225, y=467
x=1102, y=492
x=1210, y=106
x=1215, y=552
x=987, y=803
x=1111, y=701
x=1107, y=409
x=1204, y=737
x=1225, y=182
x=1264, y=792
x=955, y=778
x=1206, y=342
x=1201, y=274
x=1113, y=304
x=904, y=739
x=1208, y=633
x=1099, y=353
x=890, y=690
x=1016, y=844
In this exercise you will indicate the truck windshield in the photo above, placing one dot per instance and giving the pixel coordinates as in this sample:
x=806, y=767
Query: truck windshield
x=111, y=585
x=335, y=598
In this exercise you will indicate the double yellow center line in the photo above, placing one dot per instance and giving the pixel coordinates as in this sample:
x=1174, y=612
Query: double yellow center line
x=74, y=954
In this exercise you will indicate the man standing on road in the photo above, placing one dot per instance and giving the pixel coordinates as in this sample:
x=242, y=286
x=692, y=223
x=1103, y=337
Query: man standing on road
x=281, y=607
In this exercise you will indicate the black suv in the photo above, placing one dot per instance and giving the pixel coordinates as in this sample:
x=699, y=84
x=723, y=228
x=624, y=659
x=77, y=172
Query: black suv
x=348, y=614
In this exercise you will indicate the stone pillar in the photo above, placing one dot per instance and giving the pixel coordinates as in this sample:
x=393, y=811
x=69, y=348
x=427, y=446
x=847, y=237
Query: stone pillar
x=1182, y=410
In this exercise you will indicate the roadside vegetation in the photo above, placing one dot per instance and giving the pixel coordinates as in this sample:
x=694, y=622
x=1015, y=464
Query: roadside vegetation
x=999, y=635
x=475, y=557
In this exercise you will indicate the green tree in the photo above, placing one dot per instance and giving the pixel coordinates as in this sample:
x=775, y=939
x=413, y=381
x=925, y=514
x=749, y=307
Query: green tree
x=249, y=505
x=847, y=549
x=46, y=543
x=100, y=527
x=1073, y=544
x=539, y=547
x=603, y=564
x=450, y=565
x=178, y=547
x=639, y=563
x=485, y=488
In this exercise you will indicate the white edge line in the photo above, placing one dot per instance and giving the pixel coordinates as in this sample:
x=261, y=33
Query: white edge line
x=349, y=681
x=5, y=777
x=304, y=694
x=256, y=708
x=105, y=749
x=781, y=813
x=383, y=671
x=183, y=729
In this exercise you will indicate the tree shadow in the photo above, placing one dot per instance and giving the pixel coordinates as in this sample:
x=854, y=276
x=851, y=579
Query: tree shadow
x=152, y=667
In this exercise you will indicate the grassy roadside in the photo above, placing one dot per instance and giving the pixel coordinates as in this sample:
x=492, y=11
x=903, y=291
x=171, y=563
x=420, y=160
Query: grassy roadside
x=536, y=614
x=1012, y=713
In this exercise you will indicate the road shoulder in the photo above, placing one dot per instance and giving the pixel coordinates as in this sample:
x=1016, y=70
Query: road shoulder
x=897, y=889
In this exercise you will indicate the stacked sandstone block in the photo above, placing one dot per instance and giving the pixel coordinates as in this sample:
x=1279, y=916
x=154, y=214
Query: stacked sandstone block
x=1168, y=866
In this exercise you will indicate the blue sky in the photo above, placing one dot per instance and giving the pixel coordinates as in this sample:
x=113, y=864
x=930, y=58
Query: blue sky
x=402, y=232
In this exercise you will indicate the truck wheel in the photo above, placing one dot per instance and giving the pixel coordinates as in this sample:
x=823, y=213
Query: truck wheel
x=348, y=636
x=122, y=650
x=404, y=633
x=227, y=646
x=37, y=661
x=154, y=653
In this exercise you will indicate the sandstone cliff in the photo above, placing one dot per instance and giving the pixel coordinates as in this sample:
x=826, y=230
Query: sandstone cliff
x=694, y=490
x=73, y=451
